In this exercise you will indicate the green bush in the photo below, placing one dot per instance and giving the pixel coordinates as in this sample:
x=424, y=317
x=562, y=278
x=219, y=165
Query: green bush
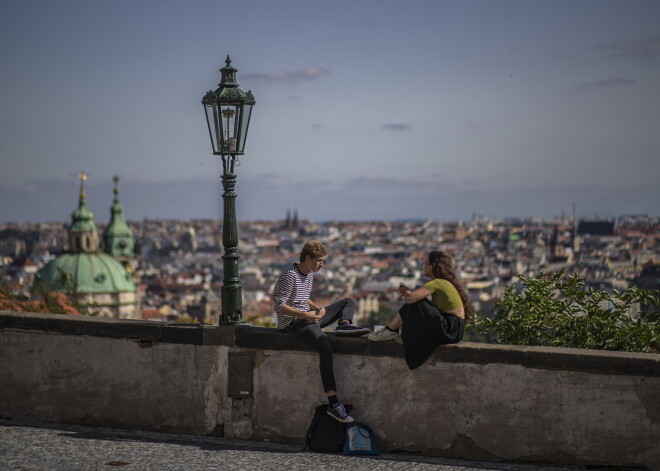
x=563, y=311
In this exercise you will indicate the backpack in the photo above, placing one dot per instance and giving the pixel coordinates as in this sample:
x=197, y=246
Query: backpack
x=325, y=433
x=360, y=440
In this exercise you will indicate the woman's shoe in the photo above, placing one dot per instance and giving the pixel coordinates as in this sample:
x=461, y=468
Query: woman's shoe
x=382, y=334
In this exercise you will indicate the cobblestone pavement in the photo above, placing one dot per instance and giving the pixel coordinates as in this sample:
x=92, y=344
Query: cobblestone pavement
x=43, y=447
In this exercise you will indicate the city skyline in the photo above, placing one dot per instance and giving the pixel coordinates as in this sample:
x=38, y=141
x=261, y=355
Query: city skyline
x=364, y=111
x=137, y=200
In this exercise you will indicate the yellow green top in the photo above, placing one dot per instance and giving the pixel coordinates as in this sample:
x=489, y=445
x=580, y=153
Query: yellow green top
x=443, y=294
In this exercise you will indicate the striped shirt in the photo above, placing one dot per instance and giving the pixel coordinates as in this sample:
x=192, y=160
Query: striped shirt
x=293, y=289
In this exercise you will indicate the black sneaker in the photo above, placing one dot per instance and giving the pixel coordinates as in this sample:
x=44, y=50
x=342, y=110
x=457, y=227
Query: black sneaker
x=338, y=412
x=348, y=329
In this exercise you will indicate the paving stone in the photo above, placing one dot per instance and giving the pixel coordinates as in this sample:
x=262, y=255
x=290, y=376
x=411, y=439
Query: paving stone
x=44, y=447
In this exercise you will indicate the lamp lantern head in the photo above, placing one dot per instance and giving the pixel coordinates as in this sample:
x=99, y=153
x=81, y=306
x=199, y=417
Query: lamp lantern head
x=228, y=110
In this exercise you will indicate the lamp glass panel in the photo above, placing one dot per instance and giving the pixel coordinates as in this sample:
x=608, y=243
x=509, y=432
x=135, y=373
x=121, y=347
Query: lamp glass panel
x=214, y=124
x=246, y=111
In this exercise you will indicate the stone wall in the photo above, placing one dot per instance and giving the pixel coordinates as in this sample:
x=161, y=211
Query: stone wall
x=470, y=401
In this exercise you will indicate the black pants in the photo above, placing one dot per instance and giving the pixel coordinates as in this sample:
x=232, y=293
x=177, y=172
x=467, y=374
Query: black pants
x=312, y=333
x=424, y=328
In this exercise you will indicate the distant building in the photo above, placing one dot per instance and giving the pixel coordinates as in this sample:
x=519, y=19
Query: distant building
x=601, y=228
x=557, y=249
x=649, y=279
x=13, y=246
x=291, y=222
x=189, y=240
x=367, y=304
x=22, y=270
x=207, y=310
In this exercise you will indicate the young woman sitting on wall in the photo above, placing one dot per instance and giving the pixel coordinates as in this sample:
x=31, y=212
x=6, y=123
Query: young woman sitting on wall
x=427, y=324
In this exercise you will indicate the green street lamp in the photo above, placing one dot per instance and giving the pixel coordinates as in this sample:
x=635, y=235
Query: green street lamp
x=228, y=111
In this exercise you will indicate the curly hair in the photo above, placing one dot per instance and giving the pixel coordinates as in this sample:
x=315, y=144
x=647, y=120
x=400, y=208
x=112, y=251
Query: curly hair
x=314, y=249
x=442, y=266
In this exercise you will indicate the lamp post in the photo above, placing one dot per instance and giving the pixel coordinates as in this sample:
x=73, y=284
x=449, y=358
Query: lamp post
x=228, y=111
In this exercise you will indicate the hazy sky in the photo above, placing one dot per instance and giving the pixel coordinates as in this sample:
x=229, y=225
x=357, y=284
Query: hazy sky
x=370, y=109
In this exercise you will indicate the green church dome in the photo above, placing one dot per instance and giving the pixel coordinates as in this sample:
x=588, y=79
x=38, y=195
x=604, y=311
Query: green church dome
x=84, y=269
x=85, y=273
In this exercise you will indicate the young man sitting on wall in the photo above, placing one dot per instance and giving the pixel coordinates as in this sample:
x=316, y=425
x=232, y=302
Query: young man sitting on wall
x=296, y=312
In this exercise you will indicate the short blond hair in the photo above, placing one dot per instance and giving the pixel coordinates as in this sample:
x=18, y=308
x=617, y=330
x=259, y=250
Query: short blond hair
x=314, y=249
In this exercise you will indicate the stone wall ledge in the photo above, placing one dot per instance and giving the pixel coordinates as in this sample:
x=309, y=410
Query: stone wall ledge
x=250, y=337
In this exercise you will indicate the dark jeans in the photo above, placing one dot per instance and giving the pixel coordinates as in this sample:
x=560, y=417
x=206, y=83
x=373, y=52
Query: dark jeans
x=312, y=333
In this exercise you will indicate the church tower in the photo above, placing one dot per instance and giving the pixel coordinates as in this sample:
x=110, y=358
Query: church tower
x=83, y=237
x=118, y=237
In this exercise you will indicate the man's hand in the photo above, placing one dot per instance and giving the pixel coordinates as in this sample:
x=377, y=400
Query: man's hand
x=314, y=316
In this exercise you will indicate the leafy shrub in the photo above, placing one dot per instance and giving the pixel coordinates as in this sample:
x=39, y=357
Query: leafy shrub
x=563, y=311
x=50, y=302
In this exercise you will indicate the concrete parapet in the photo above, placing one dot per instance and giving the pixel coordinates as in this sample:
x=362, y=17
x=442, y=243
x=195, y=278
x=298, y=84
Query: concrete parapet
x=470, y=401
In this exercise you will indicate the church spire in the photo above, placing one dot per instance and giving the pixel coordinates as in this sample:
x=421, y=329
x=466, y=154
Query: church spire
x=118, y=237
x=83, y=236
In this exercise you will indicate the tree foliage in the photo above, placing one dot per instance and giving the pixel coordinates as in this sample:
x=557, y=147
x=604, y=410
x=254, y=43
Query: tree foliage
x=49, y=302
x=564, y=311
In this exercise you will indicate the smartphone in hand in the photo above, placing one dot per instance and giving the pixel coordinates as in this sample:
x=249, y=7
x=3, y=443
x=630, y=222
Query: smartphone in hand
x=404, y=286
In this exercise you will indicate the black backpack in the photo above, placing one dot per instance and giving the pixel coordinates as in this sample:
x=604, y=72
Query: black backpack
x=325, y=433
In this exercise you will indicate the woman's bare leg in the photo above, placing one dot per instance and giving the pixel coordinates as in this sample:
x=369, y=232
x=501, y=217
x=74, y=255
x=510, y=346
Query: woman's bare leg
x=395, y=323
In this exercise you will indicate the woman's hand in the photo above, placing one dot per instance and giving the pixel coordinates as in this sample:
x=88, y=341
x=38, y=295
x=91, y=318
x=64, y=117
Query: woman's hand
x=410, y=296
